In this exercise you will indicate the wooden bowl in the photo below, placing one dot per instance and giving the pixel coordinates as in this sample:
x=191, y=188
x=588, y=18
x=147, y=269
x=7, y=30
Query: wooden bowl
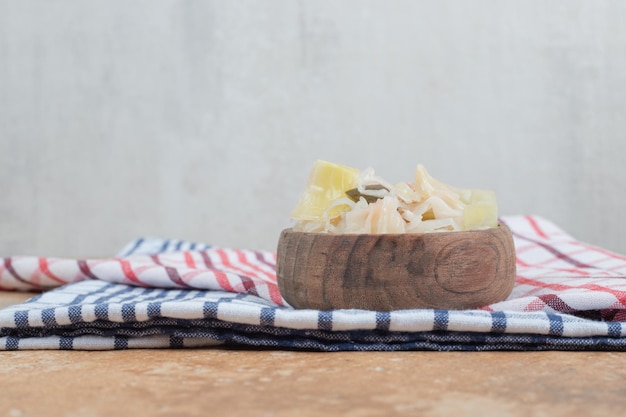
x=448, y=270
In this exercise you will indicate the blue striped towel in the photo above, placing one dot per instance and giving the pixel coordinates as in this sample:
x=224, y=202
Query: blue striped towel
x=95, y=315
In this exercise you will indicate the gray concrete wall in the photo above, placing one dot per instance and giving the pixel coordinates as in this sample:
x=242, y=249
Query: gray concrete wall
x=201, y=119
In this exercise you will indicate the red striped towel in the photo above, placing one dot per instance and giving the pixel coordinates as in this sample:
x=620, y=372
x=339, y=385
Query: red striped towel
x=555, y=272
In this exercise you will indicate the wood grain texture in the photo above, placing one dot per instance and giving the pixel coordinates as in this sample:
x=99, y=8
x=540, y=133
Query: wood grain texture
x=452, y=270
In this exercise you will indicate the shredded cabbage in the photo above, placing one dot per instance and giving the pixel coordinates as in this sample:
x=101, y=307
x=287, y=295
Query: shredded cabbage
x=420, y=206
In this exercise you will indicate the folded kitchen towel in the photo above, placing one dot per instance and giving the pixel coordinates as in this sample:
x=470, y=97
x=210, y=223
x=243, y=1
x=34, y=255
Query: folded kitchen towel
x=170, y=294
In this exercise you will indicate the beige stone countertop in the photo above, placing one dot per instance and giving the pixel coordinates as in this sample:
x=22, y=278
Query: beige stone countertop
x=242, y=382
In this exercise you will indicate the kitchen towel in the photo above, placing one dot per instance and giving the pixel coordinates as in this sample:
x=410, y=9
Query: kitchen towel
x=159, y=293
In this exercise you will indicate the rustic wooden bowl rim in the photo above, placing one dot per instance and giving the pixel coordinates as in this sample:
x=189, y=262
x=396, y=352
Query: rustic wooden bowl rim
x=290, y=229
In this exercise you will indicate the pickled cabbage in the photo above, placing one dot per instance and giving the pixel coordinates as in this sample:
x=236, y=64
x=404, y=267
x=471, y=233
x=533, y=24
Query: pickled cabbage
x=341, y=199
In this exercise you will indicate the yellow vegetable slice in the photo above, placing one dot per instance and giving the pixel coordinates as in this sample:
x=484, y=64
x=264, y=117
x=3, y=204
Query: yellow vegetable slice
x=481, y=211
x=327, y=182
